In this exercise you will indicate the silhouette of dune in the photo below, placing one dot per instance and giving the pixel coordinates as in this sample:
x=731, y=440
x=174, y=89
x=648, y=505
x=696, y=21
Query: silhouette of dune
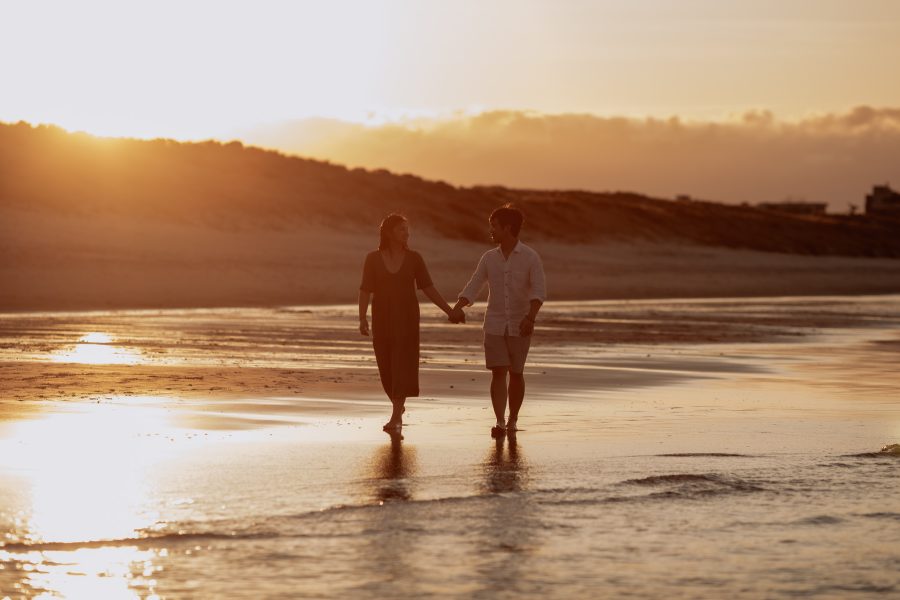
x=97, y=222
x=232, y=186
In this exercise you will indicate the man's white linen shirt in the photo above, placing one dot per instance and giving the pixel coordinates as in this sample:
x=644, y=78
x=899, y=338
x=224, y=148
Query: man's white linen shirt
x=513, y=283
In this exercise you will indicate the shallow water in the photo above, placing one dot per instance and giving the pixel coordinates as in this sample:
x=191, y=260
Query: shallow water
x=685, y=469
x=270, y=517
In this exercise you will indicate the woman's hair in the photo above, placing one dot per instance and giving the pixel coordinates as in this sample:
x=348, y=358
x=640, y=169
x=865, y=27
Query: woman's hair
x=387, y=226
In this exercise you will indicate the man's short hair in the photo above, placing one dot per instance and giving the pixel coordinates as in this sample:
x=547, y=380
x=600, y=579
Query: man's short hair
x=509, y=216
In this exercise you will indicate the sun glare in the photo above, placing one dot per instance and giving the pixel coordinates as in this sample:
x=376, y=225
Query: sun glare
x=96, y=338
x=84, y=476
x=96, y=348
x=101, y=573
x=85, y=470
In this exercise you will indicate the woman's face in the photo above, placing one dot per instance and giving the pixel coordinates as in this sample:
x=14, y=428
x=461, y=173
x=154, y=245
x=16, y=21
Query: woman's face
x=400, y=233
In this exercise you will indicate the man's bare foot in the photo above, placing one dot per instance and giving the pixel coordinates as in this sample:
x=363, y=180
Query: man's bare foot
x=393, y=425
x=511, y=425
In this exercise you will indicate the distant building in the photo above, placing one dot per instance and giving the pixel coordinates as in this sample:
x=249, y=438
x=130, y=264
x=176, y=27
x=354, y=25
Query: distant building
x=795, y=207
x=883, y=201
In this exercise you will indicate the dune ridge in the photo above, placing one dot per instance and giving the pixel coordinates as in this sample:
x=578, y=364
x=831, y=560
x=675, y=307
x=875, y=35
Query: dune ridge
x=91, y=222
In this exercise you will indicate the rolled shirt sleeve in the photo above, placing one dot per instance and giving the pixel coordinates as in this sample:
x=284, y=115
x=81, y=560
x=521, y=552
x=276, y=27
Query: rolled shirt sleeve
x=513, y=283
x=477, y=281
x=538, y=281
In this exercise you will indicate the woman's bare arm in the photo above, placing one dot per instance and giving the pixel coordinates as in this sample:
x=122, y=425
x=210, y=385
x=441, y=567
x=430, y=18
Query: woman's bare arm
x=437, y=299
x=363, y=311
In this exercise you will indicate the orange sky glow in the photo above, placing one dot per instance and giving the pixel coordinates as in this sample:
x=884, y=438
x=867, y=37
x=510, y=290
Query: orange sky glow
x=209, y=69
x=763, y=100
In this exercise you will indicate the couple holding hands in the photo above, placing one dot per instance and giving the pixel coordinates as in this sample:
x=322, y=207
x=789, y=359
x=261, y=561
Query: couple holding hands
x=515, y=278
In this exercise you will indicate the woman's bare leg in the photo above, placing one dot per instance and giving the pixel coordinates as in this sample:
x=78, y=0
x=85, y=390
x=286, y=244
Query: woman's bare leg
x=399, y=407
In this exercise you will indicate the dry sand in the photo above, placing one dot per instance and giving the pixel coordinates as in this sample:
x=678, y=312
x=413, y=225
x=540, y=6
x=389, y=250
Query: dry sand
x=83, y=262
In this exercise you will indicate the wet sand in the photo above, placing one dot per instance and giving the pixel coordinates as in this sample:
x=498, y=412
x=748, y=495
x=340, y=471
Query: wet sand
x=688, y=448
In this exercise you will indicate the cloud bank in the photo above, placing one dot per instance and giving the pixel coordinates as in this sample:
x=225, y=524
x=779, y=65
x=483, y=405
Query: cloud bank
x=833, y=158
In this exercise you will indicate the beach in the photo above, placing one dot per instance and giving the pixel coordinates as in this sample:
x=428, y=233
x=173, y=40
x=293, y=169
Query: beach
x=696, y=203
x=692, y=448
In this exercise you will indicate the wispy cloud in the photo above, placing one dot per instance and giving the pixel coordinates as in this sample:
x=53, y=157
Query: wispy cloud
x=753, y=157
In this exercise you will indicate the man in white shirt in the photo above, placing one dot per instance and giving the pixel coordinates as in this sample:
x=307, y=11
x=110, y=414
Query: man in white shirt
x=515, y=278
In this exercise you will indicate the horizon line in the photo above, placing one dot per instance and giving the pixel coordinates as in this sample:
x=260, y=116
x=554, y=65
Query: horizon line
x=411, y=119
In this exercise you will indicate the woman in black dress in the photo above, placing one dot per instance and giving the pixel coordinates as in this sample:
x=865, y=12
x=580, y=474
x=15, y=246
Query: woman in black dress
x=391, y=275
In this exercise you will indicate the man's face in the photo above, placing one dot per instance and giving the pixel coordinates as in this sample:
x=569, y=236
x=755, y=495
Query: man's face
x=498, y=231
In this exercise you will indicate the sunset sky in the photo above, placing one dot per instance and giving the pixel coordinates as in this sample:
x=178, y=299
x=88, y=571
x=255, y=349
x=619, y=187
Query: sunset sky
x=516, y=92
x=207, y=68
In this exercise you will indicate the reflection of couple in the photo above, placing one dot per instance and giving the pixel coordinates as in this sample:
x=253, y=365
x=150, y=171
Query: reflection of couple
x=515, y=279
x=505, y=473
x=392, y=467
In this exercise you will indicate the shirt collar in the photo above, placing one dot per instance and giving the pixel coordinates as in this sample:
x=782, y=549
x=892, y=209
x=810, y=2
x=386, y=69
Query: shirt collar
x=516, y=248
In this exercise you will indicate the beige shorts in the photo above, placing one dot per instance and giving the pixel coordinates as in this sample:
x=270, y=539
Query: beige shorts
x=506, y=351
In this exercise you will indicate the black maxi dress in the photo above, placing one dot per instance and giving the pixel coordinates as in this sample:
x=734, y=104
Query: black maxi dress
x=395, y=320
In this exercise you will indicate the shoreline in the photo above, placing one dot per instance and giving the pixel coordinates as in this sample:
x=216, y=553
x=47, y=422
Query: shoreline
x=729, y=424
x=426, y=304
x=204, y=360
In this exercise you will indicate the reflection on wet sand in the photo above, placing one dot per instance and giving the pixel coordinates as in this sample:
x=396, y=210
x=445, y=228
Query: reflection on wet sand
x=123, y=572
x=389, y=554
x=391, y=468
x=97, y=348
x=292, y=493
x=510, y=524
x=81, y=476
x=505, y=471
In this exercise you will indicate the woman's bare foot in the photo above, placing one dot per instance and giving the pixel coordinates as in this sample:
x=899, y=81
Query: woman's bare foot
x=396, y=421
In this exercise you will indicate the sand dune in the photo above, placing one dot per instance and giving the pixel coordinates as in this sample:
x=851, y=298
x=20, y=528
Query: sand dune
x=102, y=223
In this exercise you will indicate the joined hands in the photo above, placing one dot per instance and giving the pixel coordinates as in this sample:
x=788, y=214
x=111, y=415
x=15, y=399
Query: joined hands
x=456, y=315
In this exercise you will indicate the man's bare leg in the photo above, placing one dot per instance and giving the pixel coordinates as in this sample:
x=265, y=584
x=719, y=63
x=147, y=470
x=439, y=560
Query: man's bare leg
x=516, y=397
x=498, y=393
